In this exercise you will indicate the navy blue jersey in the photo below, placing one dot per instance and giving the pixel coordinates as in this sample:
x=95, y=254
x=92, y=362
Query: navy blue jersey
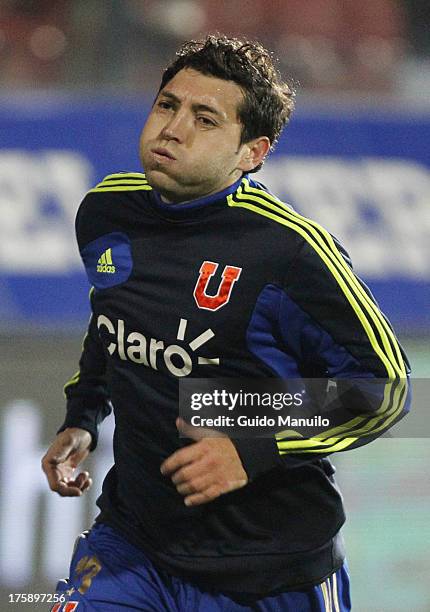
x=236, y=284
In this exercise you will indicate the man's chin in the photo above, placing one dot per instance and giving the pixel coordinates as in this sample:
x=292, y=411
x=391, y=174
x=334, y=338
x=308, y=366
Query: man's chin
x=162, y=183
x=158, y=178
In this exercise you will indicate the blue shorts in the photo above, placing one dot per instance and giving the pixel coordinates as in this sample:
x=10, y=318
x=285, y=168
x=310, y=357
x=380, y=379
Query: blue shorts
x=108, y=574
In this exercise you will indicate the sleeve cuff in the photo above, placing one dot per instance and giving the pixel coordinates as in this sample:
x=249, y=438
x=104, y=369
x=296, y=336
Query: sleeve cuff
x=90, y=420
x=258, y=455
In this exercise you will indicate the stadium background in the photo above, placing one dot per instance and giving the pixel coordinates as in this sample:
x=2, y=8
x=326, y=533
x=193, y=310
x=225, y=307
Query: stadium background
x=77, y=79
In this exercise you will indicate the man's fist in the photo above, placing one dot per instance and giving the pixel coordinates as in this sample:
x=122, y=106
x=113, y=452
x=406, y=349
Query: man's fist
x=206, y=469
x=68, y=450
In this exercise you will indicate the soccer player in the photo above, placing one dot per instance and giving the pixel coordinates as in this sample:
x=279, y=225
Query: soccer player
x=198, y=270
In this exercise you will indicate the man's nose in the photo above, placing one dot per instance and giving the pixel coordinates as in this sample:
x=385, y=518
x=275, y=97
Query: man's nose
x=177, y=128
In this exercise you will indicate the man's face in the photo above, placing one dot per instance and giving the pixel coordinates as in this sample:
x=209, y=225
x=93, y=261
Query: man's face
x=190, y=144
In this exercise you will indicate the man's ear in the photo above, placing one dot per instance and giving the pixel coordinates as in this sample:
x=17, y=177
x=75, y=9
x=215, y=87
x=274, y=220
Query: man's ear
x=253, y=153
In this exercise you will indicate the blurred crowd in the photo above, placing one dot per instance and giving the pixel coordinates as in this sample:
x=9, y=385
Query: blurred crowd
x=324, y=45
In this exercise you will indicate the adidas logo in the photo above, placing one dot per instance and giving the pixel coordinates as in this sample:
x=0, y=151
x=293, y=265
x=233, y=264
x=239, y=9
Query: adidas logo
x=105, y=263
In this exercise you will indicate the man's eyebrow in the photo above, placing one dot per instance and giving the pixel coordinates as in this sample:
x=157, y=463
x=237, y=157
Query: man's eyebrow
x=209, y=109
x=196, y=107
x=168, y=94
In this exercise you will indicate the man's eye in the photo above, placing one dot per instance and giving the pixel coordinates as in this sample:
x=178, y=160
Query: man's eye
x=206, y=121
x=164, y=105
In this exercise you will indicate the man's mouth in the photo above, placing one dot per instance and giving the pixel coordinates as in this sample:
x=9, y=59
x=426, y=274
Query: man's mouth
x=163, y=154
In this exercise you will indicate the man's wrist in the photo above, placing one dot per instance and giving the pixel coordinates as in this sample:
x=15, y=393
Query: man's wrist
x=93, y=437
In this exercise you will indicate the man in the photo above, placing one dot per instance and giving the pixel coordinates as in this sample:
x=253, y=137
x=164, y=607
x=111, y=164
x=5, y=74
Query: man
x=199, y=271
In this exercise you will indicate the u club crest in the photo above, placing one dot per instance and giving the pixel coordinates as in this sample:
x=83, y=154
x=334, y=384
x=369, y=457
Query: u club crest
x=229, y=276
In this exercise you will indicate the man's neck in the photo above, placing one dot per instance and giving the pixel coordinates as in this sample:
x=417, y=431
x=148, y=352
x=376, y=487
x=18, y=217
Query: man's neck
x=200, y=196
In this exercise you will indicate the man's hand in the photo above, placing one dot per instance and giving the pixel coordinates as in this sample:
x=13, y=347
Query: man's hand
x=206, y=469
x=68, y=450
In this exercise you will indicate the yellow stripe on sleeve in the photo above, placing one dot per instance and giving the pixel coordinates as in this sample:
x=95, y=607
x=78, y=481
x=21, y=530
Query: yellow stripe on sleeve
x=73, y=381
x=140, y=176
x=388, y=411
x=107, y=187
x=320, y=233
x=366, y=310
x=126, y=181
x=333, y=269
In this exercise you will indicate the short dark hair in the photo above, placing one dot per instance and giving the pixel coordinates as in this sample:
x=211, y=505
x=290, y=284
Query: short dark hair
x=268, y=101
